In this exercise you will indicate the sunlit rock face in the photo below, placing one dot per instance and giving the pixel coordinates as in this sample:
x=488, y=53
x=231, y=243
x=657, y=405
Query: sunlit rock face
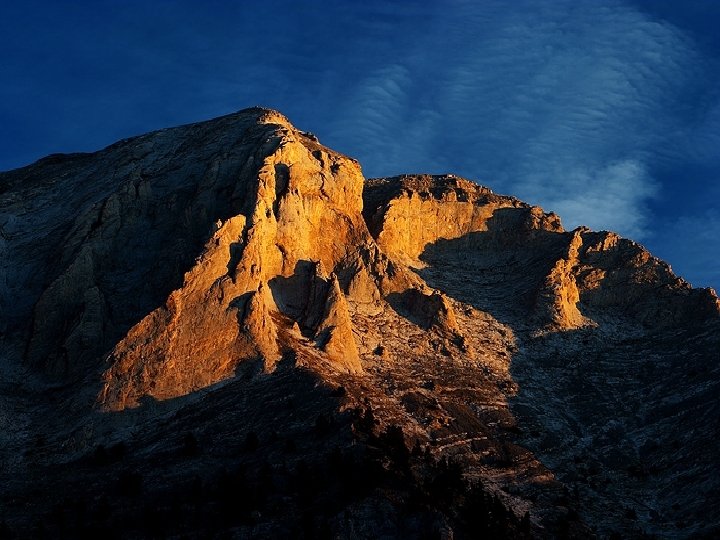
x=568, y=371
x=302, y=207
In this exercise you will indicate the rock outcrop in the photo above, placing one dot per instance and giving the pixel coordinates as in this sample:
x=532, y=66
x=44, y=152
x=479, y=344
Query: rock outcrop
x=335, y=332
x=558, y=299
x=226, y=312
x=421, y=219
x=407, y=213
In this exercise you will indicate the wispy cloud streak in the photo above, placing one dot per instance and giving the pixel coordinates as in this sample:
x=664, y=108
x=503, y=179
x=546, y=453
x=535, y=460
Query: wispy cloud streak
x=565, y=106
x=606, y=112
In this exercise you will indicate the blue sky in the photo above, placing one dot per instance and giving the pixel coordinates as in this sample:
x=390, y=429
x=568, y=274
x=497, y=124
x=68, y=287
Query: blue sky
x=607, y=112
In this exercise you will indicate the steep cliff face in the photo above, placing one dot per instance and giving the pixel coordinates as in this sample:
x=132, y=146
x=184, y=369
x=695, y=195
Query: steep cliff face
x=96, y=242
x=408, y=213
x=242, y=251
x=176, y=255
x=242, y=286
x=621, y=275
x=420, y=220
x=415, y=218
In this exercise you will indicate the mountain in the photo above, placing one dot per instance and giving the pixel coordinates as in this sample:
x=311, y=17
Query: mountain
x=223, y=329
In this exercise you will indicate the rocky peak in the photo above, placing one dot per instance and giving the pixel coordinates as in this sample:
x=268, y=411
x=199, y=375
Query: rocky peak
x=253, y=276
x=407, y=213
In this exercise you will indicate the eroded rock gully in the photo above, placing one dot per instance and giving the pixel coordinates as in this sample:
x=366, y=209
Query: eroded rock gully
x=571, y=373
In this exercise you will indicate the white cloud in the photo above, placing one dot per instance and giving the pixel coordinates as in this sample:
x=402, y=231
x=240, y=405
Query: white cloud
x=568, y=105
x=378, y=120
x=612, y=197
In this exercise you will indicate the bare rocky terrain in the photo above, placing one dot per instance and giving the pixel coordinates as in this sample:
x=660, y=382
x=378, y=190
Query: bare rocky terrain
x=224, y=330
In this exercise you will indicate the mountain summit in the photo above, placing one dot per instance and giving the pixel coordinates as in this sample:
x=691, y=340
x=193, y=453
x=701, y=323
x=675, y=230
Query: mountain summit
x=250, y=338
